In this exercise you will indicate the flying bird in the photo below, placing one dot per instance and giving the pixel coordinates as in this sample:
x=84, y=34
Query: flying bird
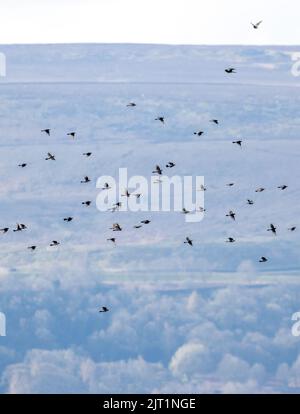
x=50, y=157
x=230, y=184
x=116, y=206
x=106, y=186
x=256, y=25
x=87, y=154
x=116, y=227
x=202, y=188
x=292, y=228
x=137, y=226
x=231, y=214
x=20, y=227
x=5, y=230
x=86, y=203
x=54, y=243
x=104, y=309
x=127, y=194
x=263, y=259
x=170, y=164
x=131, y=104
x=113, y=240
x=157, y=170
x=230, y=70
x=68, y=219
x=145, y=221
x=22, y=165
x=161, y=119
x=47, y=131
x=201, y=209
x=260, y=190
x=199, y=133
x=250, y=202
x=239, y=142
x=31, y=247
x=72, y=134
x=215, y=121
x=282, y=187
x=85, y=180
x=272, y=229
x=188, y=241
x=185, y=211
x=230, y=240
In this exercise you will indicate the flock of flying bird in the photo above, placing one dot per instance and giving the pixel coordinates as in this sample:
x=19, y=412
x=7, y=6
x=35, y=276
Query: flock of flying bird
x=116, y=227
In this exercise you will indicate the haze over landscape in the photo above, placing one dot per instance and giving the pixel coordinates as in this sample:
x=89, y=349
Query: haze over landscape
x=207, y=318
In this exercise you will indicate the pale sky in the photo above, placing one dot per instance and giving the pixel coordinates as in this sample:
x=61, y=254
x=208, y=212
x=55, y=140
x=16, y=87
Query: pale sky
x=145, y=21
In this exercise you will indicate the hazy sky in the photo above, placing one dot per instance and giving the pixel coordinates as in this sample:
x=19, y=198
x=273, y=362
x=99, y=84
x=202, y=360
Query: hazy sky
x=155, y=21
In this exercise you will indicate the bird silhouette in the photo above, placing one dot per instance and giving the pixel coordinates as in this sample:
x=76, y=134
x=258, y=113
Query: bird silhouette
x=161, y=119
x=131, y=104
x=239, y=142
x=292, y=228
x=170, y=164
x=85, y=179
x=157, y=170
x=72, y=134
x=260, y=190
x=202, y=188
x=116, y=206
x=47, y=131
x=256, y=25
x=126, y=194
x=113, y=240
x=20, y=227
x=22, y=165
x=263, y=259
x=185, y=211
x=272, y=229
x=50, y=157
x=188, y=241
x=4, y=230
x=230, y=184
x=231, y=214
x=104, y=309
x=199, y=133
x=230, y=70
x=282, y=187
x=250, y=202
x=230, y=240
x=31, y=247
x=137, y=226
x=106, y=186
x=116, y=227
x=215, y=121
x=145, y=221
x=201, y=209
x=68, y=219
x=87, y=154
x=54, y=243
x=86, y=203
